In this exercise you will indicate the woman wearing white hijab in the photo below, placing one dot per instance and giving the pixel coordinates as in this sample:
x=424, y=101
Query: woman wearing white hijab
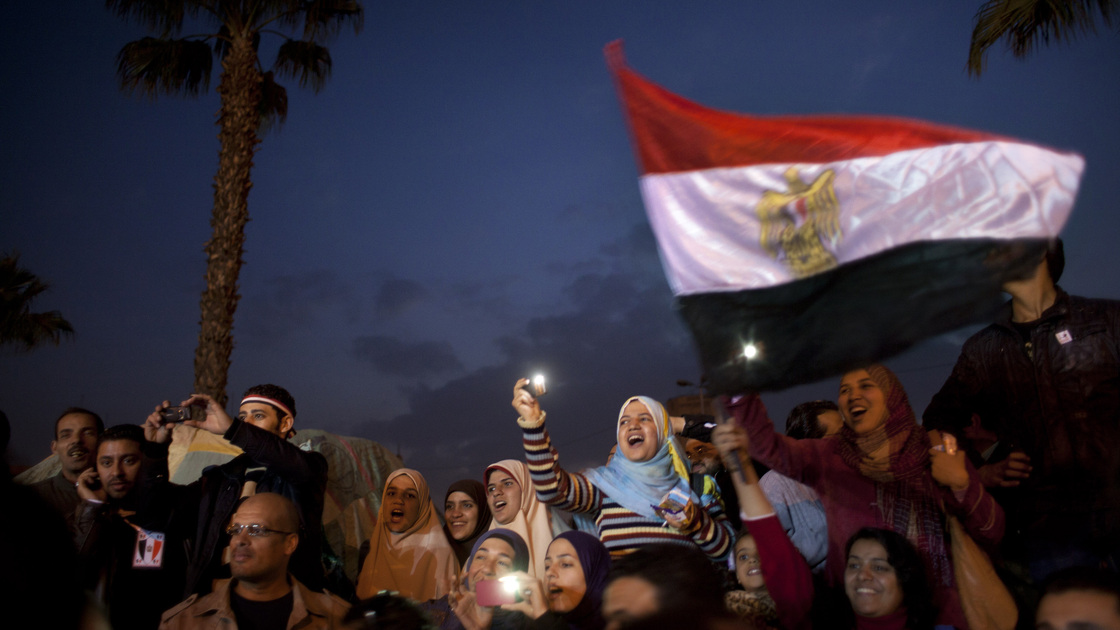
x=408, y=551
x=627, y=497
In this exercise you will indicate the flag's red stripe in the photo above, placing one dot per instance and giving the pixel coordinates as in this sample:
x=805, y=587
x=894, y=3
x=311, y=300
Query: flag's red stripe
x=674, y=134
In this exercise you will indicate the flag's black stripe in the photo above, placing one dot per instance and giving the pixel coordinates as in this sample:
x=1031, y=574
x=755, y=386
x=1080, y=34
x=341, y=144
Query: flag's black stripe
x=860, y=312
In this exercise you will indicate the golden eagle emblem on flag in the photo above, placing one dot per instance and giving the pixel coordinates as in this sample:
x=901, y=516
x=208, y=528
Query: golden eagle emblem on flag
x=798, y=223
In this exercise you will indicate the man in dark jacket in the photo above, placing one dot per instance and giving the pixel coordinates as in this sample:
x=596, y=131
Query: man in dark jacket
x=1044, y=382
x=75, y=439
x=130, y=544
x=270, y=463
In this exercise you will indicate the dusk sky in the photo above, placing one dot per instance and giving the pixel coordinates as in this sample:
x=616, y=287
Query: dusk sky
x=460, y=207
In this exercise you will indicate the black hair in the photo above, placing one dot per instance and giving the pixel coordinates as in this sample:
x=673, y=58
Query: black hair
x=1091, y=579
x=78, y=410
x=121, y=432
x=387, y=612
x=698, y=427
x=684, y=577
x=910, y=570
x=277, y=393
x=802, y=423
x=1055, y=259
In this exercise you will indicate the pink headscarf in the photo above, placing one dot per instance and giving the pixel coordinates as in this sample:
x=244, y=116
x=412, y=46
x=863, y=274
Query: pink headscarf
x=533, y=522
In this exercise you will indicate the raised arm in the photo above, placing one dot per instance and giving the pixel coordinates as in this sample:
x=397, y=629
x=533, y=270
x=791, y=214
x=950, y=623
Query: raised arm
x=554, y=485
x=787, y=576
x=797, y=459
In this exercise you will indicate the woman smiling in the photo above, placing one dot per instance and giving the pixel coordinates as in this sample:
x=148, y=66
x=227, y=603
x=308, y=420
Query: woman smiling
x=886, y=583
x=642, y=496
x=408, y=552
x=467, y=516
x=880, y=471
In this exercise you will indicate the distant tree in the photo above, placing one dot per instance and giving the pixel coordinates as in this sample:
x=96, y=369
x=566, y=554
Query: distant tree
x=250, y=101
x=1028, y=23
x=18, y=325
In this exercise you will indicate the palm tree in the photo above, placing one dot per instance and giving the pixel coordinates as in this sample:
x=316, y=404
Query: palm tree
x=1028, y=23
x=250, y=101
x=18, y=325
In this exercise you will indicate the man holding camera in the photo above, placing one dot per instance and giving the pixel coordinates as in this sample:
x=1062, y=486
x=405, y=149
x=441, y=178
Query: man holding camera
x=263, y=536
x=130, y=555
x=270, y=463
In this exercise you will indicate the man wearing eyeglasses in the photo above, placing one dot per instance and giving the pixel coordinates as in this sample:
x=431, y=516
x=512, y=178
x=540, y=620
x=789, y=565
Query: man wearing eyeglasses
x=262, y=593
x=270, y=463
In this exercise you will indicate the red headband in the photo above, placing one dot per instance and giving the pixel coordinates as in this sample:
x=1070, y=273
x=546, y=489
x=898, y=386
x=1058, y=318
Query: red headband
x=275, y=403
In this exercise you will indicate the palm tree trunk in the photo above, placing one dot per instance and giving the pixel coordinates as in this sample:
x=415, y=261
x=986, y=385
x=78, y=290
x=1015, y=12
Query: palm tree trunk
x=238, y=121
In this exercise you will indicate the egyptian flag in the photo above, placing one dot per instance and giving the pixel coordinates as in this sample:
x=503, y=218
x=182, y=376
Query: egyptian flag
x=802, y=246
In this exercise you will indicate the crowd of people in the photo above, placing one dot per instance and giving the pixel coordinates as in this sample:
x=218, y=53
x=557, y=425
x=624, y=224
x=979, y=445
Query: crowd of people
x=864, y=518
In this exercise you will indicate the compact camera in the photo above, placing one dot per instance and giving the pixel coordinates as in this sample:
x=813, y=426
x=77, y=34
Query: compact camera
x=179, y=414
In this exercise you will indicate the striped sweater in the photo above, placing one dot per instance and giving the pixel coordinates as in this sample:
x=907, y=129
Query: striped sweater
x=621, y=530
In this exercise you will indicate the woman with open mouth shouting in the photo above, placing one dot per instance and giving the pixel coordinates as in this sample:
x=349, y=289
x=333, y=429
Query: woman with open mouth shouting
x=643, y=495
x=514, y=504
x=408, y=552
x=882, y=470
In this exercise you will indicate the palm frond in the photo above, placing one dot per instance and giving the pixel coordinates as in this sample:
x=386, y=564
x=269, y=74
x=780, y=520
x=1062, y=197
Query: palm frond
x=18, y=325
x=222, y=41
x=169, y=66
x=322, y=19
x=274, y=103
x=1027, y=24
x=307, y=62
x=162, y=16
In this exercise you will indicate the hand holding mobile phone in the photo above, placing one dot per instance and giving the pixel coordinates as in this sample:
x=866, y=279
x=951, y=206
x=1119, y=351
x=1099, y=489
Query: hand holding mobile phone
x=536, y=386
x=506, y=590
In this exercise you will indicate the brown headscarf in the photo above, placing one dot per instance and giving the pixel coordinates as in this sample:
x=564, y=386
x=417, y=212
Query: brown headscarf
x=418, y=562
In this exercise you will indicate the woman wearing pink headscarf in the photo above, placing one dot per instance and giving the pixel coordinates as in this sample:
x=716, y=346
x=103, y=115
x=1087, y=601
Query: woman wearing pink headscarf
x=880, y=471
x=408, y=551
x=514, y=504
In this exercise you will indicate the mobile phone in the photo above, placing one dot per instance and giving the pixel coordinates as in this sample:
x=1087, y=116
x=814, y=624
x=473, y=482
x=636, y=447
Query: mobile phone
x=179, y=414
x=536, y=386
x=498, y=592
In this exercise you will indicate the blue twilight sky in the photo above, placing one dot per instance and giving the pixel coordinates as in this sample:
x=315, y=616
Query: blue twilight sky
x=460, y=206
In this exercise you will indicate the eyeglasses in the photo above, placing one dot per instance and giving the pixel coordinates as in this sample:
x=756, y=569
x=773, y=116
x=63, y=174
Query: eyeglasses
x=699, y=451
x=253, y=530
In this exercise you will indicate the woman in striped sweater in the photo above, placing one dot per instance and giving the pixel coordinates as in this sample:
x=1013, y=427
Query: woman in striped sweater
x=642, y=496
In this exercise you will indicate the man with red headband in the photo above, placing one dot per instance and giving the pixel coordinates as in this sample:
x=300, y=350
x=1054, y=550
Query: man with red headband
x=270, y=463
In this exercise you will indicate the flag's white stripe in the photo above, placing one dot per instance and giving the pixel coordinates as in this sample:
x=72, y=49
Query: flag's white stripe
x=708, y=230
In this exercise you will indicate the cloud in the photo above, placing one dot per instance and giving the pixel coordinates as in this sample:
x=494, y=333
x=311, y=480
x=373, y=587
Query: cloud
x=397, y=296
x=610, y=334
x=293, y=302
x=393, y=357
